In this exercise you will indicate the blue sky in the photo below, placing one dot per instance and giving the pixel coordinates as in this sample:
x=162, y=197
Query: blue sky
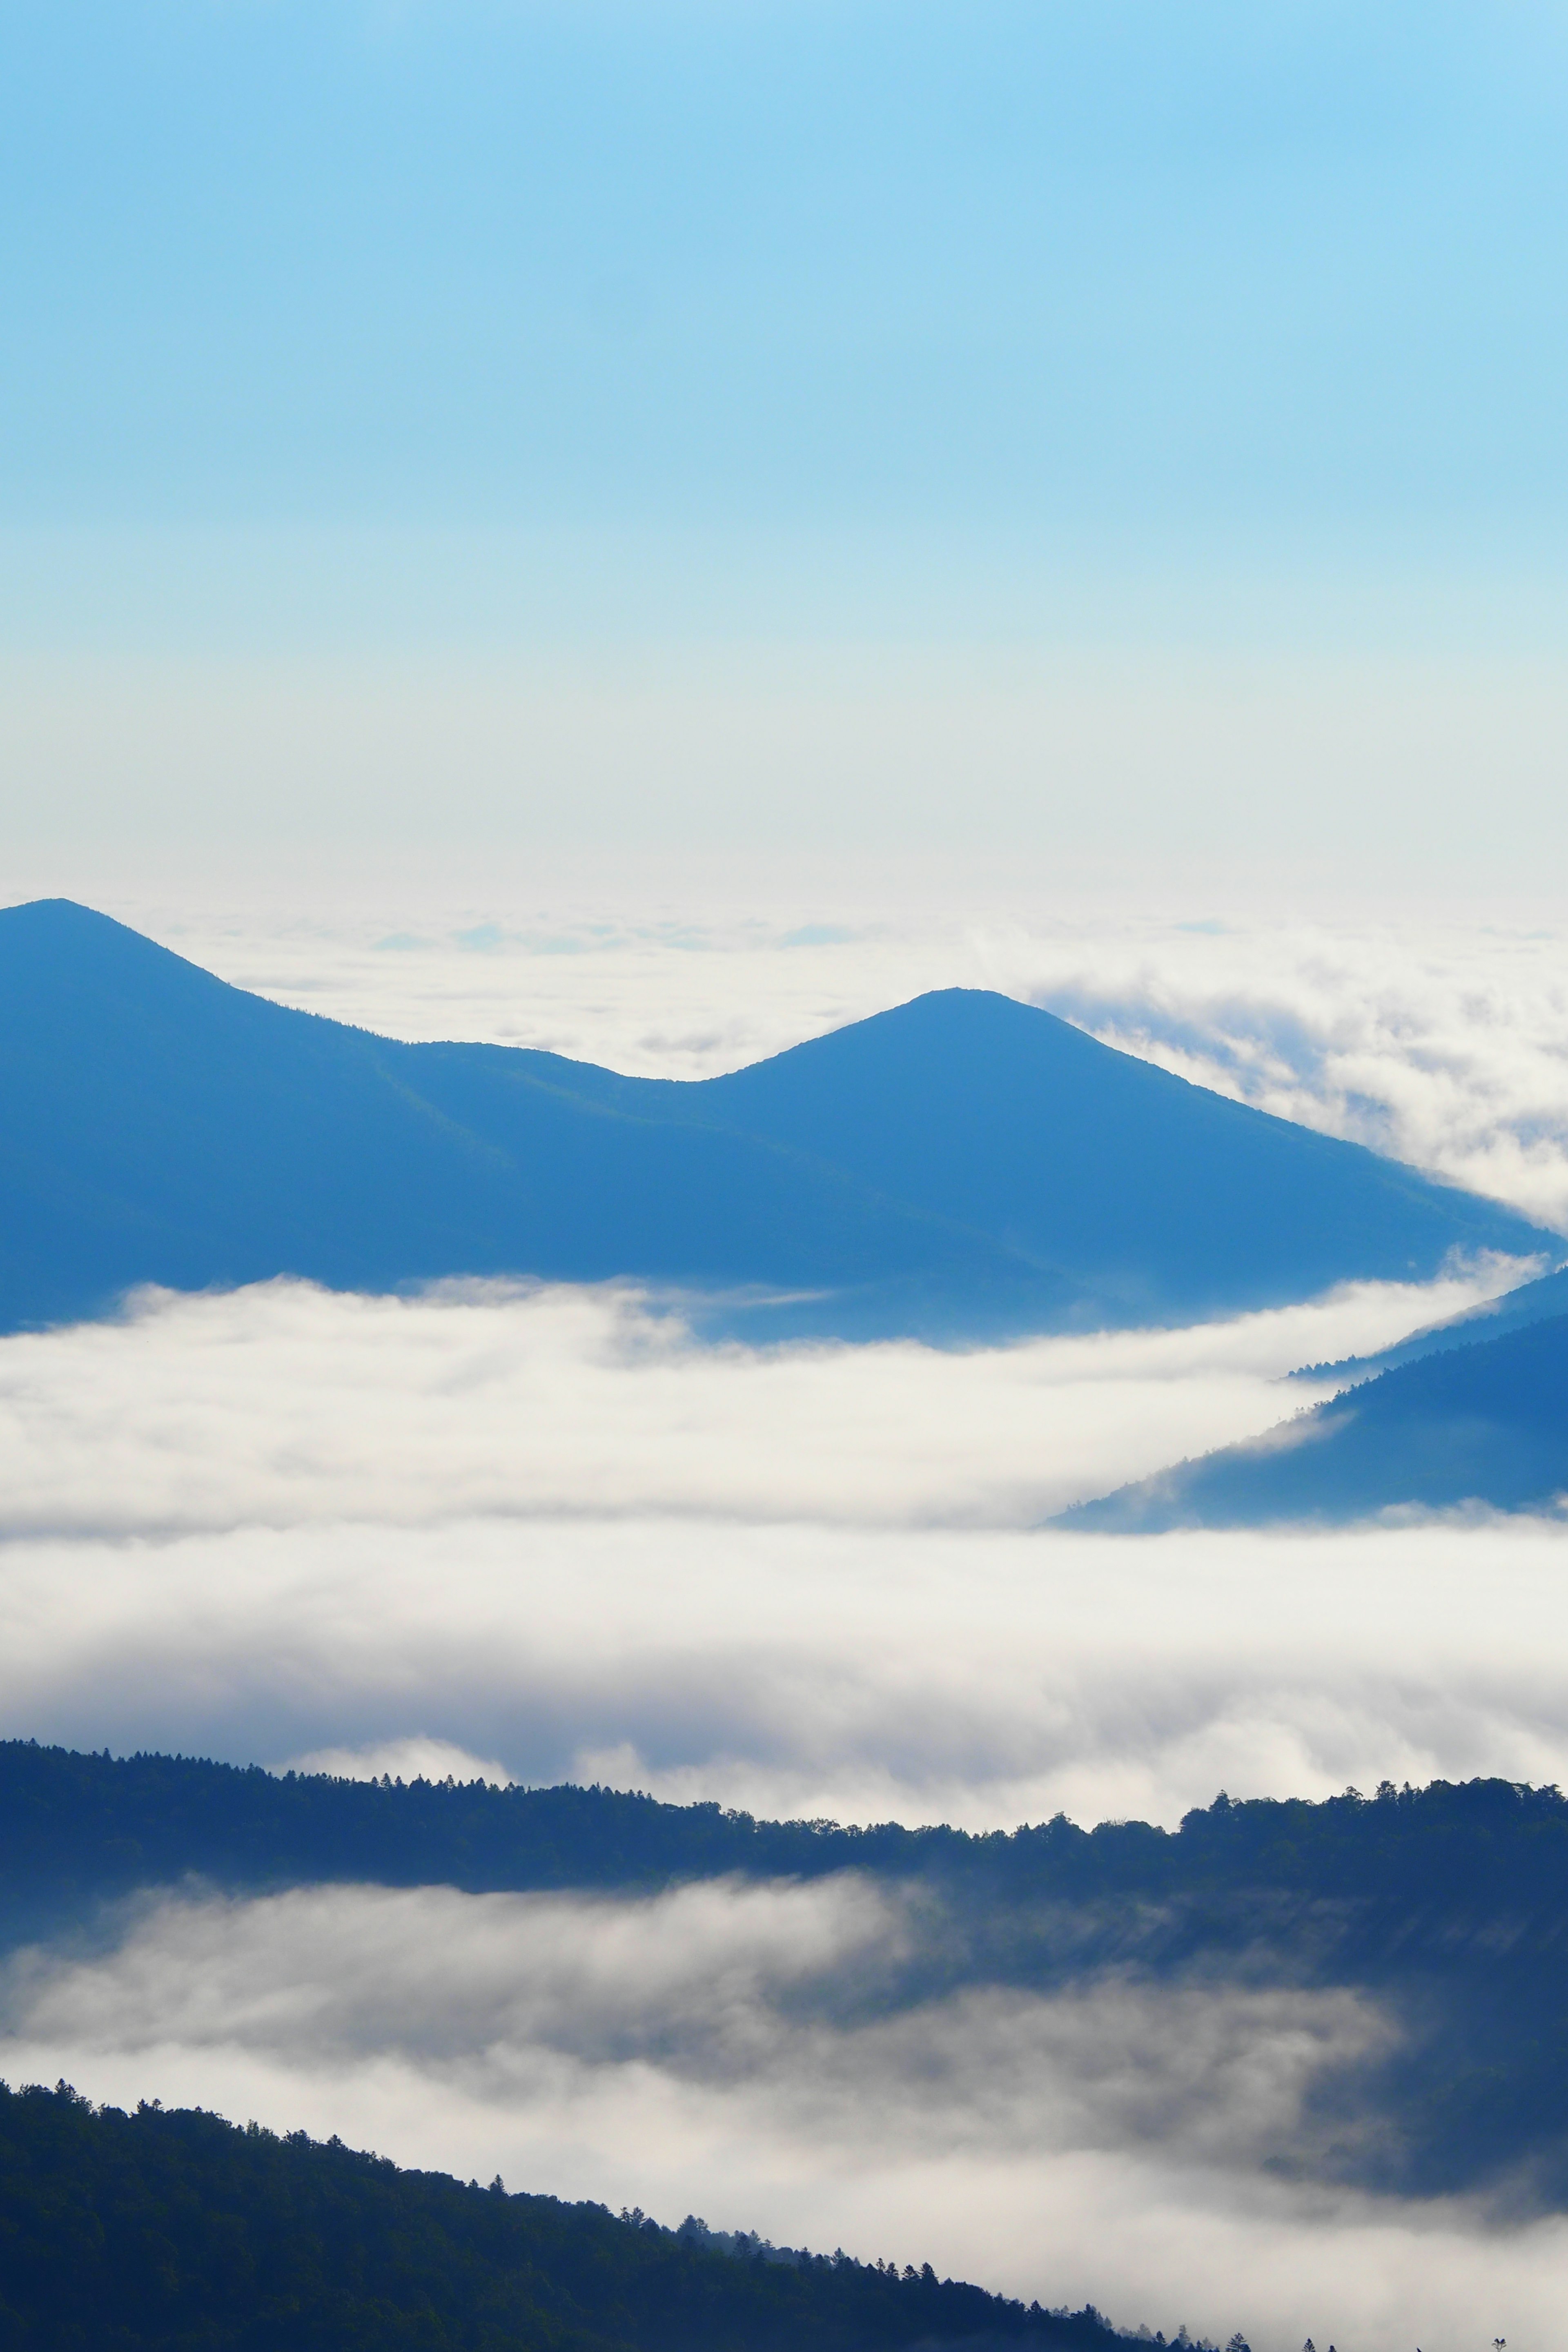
x=1230, y=269
x=473, y=325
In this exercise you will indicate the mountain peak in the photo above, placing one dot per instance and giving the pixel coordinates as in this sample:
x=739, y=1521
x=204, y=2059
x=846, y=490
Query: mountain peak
x=959, y=1165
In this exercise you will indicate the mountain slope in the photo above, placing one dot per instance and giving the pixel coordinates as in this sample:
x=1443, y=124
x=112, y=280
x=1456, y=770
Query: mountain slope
x=175, y=2232
x=960, y=1166
x=1530, y=1302
x=78, y=1832
x=1483, y=1423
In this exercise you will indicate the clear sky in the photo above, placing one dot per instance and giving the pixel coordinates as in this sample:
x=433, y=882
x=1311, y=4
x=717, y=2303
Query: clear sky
x=1125, y=436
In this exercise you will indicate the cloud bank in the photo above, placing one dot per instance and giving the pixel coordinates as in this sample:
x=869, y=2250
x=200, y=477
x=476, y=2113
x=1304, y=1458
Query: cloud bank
x=540, y=1533
x=282, y=1405
x=983, y=1678
x=543, y=1534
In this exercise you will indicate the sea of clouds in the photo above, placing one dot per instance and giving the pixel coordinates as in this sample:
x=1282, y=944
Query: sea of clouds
x=546, y=1529
x=540, y=1532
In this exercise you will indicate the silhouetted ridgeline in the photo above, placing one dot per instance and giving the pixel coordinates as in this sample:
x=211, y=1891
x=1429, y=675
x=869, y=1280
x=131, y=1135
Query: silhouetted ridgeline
x=963, y=1165
x=85, y=1825
x=153, y=2230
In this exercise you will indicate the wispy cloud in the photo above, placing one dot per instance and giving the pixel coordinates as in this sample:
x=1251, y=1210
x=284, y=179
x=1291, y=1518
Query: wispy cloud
x=1442, y=1047
x=414, y=1758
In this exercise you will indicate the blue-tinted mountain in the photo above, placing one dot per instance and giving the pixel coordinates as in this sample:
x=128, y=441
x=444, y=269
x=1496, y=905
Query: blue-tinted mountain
x=1530, y=1302
x=1484, y=1424
x=962, y=1165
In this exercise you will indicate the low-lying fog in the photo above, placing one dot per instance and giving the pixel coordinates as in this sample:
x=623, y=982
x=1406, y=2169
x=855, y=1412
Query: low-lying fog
x=546, y=1531
x=745, y=2052
x=540, y=1533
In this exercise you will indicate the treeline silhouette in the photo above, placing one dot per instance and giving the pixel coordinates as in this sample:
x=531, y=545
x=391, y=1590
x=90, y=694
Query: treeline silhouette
x=154, y=2231
x=97, y=1825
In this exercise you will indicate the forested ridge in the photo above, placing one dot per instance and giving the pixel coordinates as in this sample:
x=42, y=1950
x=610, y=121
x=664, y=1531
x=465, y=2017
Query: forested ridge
x=178, y=2231
x=1485, y=1422
x=96, y=1824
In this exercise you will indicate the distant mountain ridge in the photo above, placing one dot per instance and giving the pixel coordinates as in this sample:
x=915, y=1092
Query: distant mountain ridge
x=1513, y=1311
x=963, y=1166
x=1484, y=1424
x=78, y=1830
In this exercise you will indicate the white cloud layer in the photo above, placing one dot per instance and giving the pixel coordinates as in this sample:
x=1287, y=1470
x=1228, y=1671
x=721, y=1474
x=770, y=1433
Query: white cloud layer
x=730, y=2050
x=282, y=1404
x=544, y=1533
x=418, y=1758
x=983, y=1677
x=1443, y=1048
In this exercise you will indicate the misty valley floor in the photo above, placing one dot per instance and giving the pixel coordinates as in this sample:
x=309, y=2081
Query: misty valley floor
x=1060, y=2054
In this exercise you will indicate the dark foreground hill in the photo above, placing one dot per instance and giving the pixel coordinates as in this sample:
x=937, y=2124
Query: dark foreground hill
x=176, y=2232
x=1486, y=1423
x=964, y=1165
x=1444, y=1908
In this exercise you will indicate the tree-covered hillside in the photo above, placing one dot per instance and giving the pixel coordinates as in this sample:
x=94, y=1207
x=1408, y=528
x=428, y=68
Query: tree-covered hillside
x=76, y=1826
x=178, y=2232
x=1485, y=1422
